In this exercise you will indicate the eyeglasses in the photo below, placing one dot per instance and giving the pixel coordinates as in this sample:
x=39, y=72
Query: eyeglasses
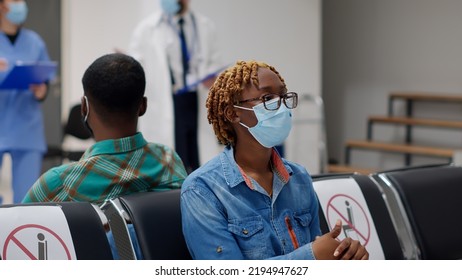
x=272, y=101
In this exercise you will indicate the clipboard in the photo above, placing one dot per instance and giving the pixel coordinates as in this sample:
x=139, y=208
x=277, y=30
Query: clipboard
x=188, y=87
x=24, y=74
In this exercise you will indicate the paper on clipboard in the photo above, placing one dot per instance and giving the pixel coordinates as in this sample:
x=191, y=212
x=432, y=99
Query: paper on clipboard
x=23, y=74
x=190, y=86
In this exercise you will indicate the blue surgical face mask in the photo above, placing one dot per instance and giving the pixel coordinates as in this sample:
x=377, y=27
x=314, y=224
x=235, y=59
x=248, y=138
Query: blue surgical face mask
x=171, y=7
x=18, y=12
x=273, y=127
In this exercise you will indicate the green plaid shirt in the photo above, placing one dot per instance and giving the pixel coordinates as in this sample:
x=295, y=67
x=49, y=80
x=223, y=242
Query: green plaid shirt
x=109, y=169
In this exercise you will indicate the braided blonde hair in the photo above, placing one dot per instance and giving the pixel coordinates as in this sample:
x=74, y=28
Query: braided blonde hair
x=227, y=90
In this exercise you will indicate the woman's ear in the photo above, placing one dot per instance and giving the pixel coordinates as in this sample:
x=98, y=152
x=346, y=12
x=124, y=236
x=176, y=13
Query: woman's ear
x=231, y=115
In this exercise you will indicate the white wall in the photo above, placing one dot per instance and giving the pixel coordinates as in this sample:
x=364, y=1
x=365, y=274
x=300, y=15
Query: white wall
x=373, y=47
x=285, y=34
x=91, y=29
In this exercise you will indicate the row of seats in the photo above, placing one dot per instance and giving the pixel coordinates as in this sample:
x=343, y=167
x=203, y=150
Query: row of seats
x=156, y=220
x=141, y=225
x=400, y=214
x=410, y=213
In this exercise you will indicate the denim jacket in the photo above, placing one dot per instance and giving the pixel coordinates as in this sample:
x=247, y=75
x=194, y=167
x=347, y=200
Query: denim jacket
x=228, y=215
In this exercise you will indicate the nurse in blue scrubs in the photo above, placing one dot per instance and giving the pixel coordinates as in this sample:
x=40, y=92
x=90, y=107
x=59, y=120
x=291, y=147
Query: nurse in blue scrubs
x=21, y=121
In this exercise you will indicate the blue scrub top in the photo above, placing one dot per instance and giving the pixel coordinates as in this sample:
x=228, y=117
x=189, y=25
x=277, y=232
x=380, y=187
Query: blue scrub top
x=21, y=120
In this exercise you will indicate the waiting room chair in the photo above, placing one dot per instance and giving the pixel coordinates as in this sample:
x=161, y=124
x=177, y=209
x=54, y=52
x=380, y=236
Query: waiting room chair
x=75, y=128
x=66, y=230
x=359, y=203
x=431, y=197
x=155, y=218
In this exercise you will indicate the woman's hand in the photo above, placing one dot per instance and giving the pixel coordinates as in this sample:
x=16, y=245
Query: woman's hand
x=326, y=247
x=350, y=249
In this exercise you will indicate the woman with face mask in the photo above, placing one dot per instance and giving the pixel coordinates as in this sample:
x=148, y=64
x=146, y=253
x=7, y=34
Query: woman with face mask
x=21, y=121
x=249, y=202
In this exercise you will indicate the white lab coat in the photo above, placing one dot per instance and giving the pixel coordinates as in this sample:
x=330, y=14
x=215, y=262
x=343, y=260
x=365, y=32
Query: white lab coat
x=149, y=44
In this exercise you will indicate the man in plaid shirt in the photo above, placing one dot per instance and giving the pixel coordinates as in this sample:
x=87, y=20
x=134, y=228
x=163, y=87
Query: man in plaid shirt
x=121, y=161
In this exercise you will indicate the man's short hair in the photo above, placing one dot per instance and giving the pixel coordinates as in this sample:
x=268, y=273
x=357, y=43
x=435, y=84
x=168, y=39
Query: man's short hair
x=115, y=84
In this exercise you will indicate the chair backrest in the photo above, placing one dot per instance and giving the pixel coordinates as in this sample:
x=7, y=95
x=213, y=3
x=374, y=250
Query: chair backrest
x=67, y=230
x=74, y=125
x=358, y=202
x=156, y=219
x=431, y=197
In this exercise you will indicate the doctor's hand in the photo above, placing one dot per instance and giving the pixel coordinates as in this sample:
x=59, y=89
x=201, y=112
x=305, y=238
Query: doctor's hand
x=209, y=82
x=120, y=51
x=3, y=64
x=39, y=90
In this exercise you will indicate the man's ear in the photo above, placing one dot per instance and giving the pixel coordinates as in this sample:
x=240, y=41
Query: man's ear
x=231, y=115
x=83, y=106
x=143, y=107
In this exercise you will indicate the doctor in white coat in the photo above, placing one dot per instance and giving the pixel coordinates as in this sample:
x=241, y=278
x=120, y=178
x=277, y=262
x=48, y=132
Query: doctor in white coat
x=156, y=45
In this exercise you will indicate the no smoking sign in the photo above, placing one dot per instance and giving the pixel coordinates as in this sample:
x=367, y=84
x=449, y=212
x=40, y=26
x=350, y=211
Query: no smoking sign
x=342, y=199
x=35, y=242
x=35, y=233
x=355, y=223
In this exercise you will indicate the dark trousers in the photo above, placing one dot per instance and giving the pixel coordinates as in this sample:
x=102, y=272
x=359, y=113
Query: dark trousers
x=186, y=110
